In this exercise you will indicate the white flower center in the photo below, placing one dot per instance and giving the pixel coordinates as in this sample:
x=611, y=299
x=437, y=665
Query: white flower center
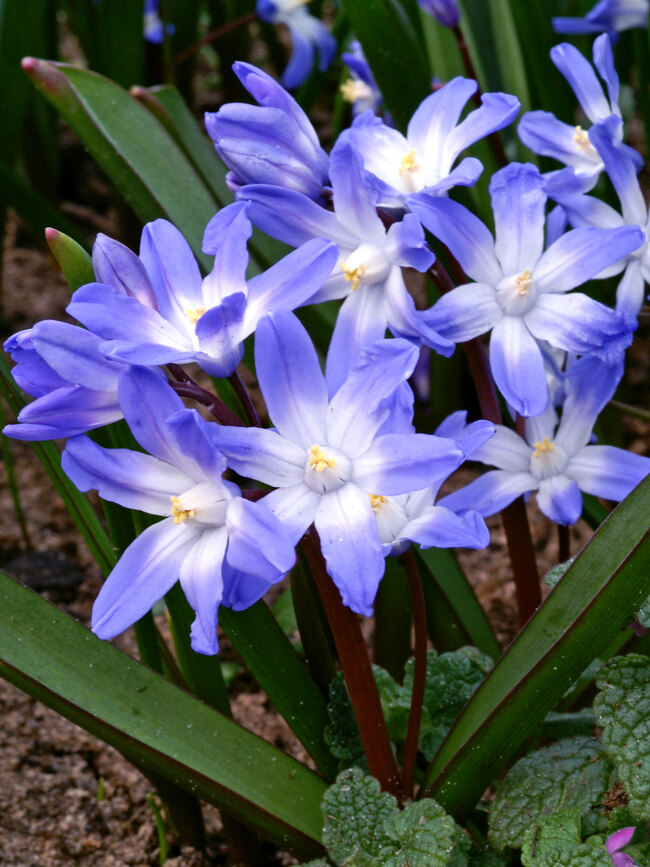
x=326, y=469
x=517, y=294
x=548, y=459
x=582, y=143
x=391, y=516
x=355, y=89
x=409, y=169
x=201, y=503
x=366, y=265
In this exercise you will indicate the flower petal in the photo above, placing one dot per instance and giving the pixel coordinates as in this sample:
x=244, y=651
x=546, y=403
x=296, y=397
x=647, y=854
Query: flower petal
x=606, y=471
x=518, y=202
x=490, y=493
x=560, y=499
x=132, y=479
x=400, y=463
x=202, y=582
x=290, y=378
x=148, y=568
x=258, y=543
x=464, y=313
x=350, y=544
x=518, y=366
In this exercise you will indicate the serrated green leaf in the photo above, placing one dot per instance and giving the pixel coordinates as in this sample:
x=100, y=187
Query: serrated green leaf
x=153, y=723
x=423, y=834
x=559, y=832
x=450, y=681
x=557, y=841
x=574, y=773
x=146, y=165
x=355, y=811
x=557, y=572
x=622, y=710
x=342, y=734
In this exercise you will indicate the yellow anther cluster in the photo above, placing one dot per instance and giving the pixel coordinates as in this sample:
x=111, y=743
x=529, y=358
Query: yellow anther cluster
x=544, y=446
x=409, y=162
x=180, y=514
x=376, y=500
x=195, y=314
x=523, y=282
x=318, y=459
x=353, y=275
x=350, y=90
x=581, y=139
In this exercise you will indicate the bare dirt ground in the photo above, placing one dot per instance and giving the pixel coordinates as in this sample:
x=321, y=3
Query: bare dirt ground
x=65, y=797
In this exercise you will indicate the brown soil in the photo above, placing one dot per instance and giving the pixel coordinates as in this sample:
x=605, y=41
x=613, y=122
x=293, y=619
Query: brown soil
x=65, y=797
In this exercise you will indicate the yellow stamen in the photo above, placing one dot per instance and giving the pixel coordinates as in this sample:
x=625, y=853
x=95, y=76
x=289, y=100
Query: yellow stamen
x=194, y=314
x=179, y=513
x=581, y=139
x=409, y=163
x=524, y=281
x=376, y=500
x=318, y=459
x=349, y=90
x=353, y=275
x=544, y=446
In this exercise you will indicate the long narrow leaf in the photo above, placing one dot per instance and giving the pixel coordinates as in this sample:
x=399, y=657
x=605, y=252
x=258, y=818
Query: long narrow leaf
x=153, y=723
x=76, y=503
x=147, y=167
x=271, y=658
x=584, y=612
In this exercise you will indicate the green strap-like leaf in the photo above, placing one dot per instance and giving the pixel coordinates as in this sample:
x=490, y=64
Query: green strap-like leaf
x=271, y=658
x=454, y=614
x=148, y=168
x=586, y=610
x=153, y=723
x=76, y=503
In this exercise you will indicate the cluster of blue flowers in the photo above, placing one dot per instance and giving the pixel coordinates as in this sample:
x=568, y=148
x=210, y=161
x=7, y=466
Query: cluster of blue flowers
x=342, y=453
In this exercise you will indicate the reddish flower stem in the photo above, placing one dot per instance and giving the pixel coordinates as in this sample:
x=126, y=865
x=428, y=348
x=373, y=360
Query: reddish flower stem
x=186, y=387
x=419, y=670
x=494, y=138
x=357, y=670
x=245, y=398
x=564, y=543
x=214, y=35
x=515, y=519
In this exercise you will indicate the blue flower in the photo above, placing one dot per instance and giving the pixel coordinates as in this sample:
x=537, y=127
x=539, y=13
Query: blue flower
x=415, y=517
x=609, y=16
x=519, y=293
x=554, y=460
x=368, y=273
x=446, y=12
x=308, y=34
x=544, y=134
x=75, y=387
x=360, y=89
x=224, y=550
x=327, y=458
x=422, y=161
x=272, y=143
x=153, y=26
x=588, y=211
x=156, y=309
